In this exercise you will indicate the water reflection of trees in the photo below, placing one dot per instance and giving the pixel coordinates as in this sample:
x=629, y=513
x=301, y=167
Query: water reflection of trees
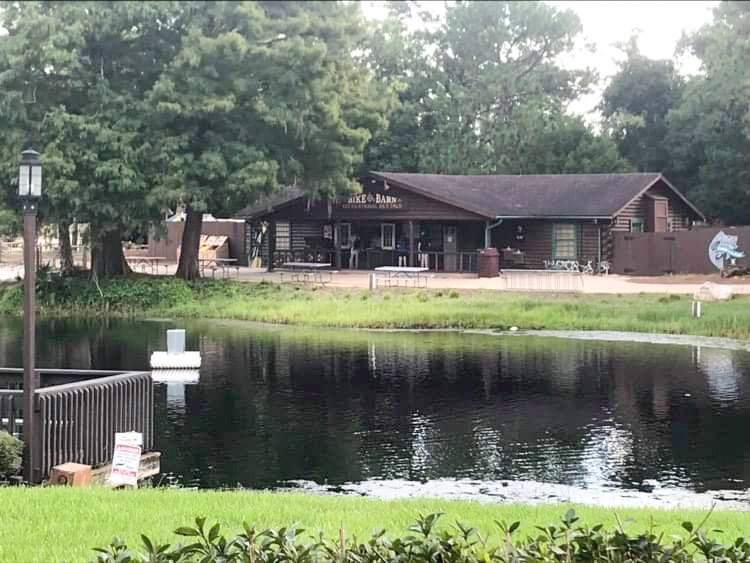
x=428, y=406
x=278, y=404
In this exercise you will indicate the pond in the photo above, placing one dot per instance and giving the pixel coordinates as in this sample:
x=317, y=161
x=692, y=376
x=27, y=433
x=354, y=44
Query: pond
x=517, y=417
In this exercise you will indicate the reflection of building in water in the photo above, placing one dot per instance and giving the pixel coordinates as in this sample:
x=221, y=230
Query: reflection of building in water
x=660, y=402
x=722, y=376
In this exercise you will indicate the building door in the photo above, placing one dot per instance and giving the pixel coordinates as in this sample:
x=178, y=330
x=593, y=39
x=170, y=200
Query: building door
x=660, y=215
x=450, y=248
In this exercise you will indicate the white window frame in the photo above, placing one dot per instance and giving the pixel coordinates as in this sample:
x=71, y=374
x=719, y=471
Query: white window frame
x=637, y=221
x=287, y=235
x=391, y=245
x=555, y=248
x=345, y=244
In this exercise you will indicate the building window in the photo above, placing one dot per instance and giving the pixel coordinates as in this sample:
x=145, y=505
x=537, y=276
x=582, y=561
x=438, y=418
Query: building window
x=565, y=241
x=636, y=225
x=345, y=235
x=283, y=235
x=388, y=236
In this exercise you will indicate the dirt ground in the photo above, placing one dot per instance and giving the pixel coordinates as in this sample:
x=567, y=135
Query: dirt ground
x=514, y=281
x=691, y=279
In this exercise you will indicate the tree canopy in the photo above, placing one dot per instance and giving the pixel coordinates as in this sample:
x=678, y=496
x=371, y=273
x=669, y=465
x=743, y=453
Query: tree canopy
x=144, y=107
x=485, y=93
x=709, y=131
x=140, y=107
x=635, y=105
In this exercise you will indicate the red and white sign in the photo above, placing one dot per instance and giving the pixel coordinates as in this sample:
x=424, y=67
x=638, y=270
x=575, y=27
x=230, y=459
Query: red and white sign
x=126, y=459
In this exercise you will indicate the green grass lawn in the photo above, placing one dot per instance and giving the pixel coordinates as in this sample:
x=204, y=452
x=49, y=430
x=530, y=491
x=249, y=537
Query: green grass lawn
x=389, y=308
x=54, y=524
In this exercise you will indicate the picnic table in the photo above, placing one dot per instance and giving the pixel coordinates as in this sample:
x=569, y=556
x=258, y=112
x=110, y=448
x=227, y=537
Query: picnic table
x=221, y=264
x=306, y=271
x=394, y=274
x=144, y=262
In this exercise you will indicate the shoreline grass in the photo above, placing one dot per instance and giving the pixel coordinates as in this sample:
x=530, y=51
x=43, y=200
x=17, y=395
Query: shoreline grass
x=33, y=530
x=395, y=309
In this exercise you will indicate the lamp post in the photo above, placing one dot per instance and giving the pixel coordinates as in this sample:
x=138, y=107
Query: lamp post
x=29, y=190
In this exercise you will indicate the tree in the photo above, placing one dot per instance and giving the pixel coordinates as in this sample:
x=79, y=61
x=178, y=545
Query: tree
x=635, y=104
x=483, y=93
x=709, y=132
x=397, y=58
x=493, y=58
x=546, y=140
x=73, y=79
x=260, y=94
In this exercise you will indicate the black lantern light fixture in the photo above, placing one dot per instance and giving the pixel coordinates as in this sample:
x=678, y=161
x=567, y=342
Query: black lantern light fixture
x=29, y=190
x=30, y=177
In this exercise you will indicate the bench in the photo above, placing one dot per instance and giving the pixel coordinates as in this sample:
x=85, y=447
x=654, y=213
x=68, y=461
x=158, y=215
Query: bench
x=224, y=265
x=305, y=272
x=395, y=274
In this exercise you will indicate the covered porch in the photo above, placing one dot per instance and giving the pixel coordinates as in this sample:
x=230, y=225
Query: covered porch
x=541, y=244
x=355, y=244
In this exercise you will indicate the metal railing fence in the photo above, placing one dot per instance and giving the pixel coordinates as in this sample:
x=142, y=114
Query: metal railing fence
x=77, y=421
x=11, y=408
x=437, y=261
x=542, y=280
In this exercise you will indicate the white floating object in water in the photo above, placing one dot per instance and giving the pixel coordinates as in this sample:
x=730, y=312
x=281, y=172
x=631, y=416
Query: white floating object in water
x=513, y=328
x=175, y=357
x=165, y=360
x=176, y=341
x=186, y=376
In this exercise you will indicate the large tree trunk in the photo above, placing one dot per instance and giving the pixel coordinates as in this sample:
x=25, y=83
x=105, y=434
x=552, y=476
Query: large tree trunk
x=191, y=238
x=107, y=258
x=66, y=251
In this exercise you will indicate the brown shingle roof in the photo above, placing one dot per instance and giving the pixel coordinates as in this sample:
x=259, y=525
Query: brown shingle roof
x=548, y=195
x=542, y=195
x=268, y=202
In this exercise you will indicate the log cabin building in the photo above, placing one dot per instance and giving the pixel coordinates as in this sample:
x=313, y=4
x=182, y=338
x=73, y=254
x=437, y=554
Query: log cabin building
x=443, y=221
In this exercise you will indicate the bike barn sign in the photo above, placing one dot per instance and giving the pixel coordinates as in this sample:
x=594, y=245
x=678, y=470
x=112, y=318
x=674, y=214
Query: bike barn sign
x=373, y=201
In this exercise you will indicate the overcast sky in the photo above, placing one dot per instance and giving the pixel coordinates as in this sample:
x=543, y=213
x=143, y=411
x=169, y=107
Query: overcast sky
x=606, y=23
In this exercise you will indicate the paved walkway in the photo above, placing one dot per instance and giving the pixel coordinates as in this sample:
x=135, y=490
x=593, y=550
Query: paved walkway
x=512, y=280
x=611, y=284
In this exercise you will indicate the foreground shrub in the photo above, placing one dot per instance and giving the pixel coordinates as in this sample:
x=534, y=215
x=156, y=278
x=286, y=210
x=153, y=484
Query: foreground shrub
x=11, y=450
x=566, y=542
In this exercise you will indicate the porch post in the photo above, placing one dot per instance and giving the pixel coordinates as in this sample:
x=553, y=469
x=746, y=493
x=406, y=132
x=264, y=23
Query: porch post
x=337, y=243
x=412, y=262
x=488, y=226
x=271, y=244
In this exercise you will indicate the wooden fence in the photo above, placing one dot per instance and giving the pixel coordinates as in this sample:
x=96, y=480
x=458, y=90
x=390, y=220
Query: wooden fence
x=681, y=252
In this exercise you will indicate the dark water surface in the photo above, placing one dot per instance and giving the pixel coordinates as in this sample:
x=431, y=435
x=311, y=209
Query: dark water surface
x=277, y=404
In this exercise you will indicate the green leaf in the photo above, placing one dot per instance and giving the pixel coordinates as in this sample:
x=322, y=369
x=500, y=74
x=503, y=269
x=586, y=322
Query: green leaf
x=213, y=532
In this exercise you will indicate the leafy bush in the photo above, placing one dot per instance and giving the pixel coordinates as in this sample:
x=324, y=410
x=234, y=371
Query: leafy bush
x=11, y=451
x=566, y=542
